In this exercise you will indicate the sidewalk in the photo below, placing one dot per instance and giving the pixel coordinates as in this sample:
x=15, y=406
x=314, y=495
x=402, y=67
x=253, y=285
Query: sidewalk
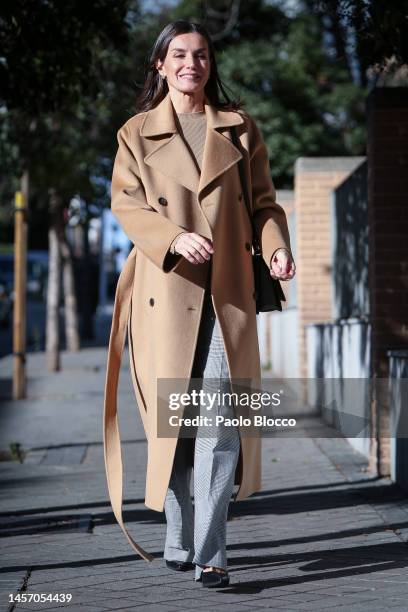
x=323, y=532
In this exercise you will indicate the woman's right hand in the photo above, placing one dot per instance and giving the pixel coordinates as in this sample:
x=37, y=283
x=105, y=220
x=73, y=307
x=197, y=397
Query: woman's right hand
x=194, y=247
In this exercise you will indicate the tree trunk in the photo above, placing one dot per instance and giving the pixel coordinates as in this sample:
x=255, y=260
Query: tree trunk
x=53, y=296
x=87, y=318
x=70, y=301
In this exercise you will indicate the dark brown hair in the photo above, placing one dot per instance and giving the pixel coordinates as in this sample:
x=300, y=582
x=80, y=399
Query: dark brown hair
x=155, y=88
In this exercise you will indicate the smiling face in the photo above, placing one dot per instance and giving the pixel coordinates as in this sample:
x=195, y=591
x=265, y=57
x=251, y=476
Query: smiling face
x=187, y=63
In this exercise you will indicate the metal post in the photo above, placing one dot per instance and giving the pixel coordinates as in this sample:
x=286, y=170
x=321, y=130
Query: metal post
x=20, y=283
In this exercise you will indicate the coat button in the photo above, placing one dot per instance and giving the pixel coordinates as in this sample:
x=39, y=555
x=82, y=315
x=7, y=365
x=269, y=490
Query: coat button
x=247, y=246
x=162, y=201
x=240, y=196
x=151, y=302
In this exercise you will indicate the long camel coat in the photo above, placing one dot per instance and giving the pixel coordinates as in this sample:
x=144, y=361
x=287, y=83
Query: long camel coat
x=157, y=192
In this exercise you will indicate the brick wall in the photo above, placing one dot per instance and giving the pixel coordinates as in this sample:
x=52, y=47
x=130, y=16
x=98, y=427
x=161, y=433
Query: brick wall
x=387, y=155
x=314, y=180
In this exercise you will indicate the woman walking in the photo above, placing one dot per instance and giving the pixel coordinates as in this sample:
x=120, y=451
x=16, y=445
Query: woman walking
x=186, y=293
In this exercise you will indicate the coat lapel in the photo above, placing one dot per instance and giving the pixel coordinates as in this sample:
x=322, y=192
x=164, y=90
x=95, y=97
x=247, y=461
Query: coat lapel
x=171, y=155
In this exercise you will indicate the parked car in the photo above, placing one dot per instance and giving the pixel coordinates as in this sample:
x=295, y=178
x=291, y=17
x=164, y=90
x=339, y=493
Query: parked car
x=37, y=274
x=37, y=279
x=6, y=306
x=7, y=271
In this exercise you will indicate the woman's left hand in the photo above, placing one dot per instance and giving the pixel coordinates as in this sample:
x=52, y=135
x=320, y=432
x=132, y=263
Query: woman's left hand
x=282, y=265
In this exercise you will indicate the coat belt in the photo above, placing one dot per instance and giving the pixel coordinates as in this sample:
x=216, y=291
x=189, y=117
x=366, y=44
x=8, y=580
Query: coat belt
x=111, y=436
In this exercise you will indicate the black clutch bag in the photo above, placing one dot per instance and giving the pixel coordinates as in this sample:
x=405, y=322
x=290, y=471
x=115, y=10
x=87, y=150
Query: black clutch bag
x=268, y=290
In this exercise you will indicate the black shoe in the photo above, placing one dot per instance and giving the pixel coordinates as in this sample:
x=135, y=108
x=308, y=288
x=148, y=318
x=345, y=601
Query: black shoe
x=214, y=579
x=180, y=566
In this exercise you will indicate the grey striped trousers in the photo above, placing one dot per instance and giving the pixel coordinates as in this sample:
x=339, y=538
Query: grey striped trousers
x=198, y=533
